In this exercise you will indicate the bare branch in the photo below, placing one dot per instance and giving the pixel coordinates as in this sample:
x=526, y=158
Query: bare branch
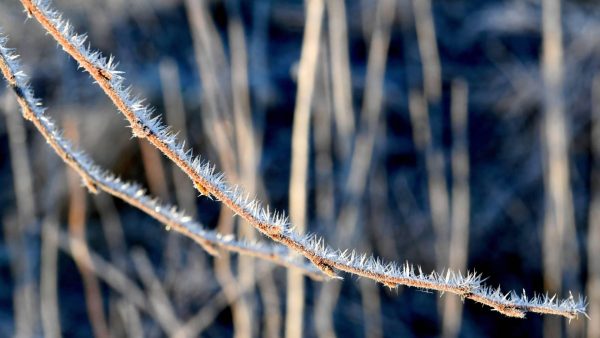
x=275, y=224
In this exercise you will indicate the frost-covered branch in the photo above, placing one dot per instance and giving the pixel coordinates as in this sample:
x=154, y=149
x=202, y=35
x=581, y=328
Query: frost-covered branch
x=96, y=178
x=275, y=225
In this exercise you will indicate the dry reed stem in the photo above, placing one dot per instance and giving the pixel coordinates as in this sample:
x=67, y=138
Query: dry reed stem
x=322, y=124
x=593, y=241
x=112, y=229
x=371, y=303
x=341, y=79
x=154, y=170
x=213, y=70
x=49, y=308
x=210, y=59
x=459, y=202
x=247, y=153
x=298, y=194
x=23, y=261
x=437, y=187
x=23, y=296
x=361, y=158
x=130, y=315
x=426, y=38
x=77, y=230
x=157, y=296
x=185, y=195
x=275, y=226
x=96, y=178
x=559, y=238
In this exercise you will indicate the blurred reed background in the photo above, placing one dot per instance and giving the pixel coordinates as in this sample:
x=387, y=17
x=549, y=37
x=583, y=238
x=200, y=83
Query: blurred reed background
x=450, y=134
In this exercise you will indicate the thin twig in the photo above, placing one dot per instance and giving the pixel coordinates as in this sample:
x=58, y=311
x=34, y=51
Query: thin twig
x=48, y=281
x=428, y=48
x=77, y=230
x=298, y=190
x=593, y=241
x=274, y=224
x=423, y=137
x=156, y=294
x=341, y=80
x=459, y=203
x=248, y=157
x=213, y=70
x=23, y=260
x=559, y=237
x=131, y=316
x=361, y=158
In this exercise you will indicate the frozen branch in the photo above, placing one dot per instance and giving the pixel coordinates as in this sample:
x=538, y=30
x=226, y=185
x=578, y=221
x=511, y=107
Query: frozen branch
x=275, y=225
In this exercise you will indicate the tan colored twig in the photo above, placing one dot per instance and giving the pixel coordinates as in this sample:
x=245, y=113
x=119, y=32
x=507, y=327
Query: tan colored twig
x=341, y=79
x=154, y=170
x=95, y=178
x=77, y=230
x=559, y=237
x=214, y=71
x=49, y=306
x=22, y=262
x=325, y=210
x=156, y=294
x=593, y=238
x=459, y=203
x=275, y=225
x=426, y=37
x=185, y=195
x=248, y=159
x=130, y=315
x=361, y=159
x=298, y=190
x=424, y=140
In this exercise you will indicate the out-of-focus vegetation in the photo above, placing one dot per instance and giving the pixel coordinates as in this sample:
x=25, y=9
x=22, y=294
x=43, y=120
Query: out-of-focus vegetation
x=512, y=191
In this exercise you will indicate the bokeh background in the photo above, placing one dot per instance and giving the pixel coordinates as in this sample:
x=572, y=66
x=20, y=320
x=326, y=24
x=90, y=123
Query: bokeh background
x=449, y=133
